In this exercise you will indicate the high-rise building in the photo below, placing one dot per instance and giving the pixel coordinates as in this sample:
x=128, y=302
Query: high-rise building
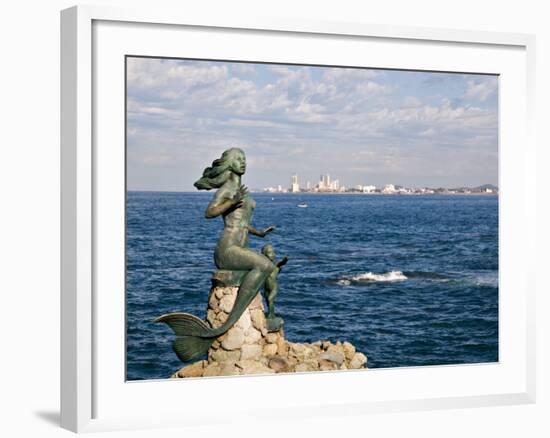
x=295, y=187
x=324, y=183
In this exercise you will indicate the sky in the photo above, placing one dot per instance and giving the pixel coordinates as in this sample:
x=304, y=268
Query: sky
x=361, y=126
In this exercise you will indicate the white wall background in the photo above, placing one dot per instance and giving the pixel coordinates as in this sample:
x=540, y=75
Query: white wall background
x=29, y=219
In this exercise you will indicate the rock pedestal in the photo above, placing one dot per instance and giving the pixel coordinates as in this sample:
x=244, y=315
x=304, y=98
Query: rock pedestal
x=248, y=348
x=240, y=349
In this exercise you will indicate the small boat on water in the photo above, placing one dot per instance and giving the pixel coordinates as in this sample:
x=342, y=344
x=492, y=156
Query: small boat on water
x=302, y=205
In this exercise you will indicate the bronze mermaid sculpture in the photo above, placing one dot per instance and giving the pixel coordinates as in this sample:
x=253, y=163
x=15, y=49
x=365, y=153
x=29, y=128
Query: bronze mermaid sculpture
x=233, y=202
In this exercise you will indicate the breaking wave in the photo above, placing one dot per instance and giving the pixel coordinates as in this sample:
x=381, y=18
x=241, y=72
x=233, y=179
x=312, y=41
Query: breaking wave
x=371, y=277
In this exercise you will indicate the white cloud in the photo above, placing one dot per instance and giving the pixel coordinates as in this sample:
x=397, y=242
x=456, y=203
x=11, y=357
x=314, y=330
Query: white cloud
x=207, y=88
x=153, y=74
x=281, y=70
x=349, y=74
x=411, y=102
x=430, y=132
x=425, y=120
x=481, y=89
x=253, y=123
x=243, y=68
x=371, y=87
x=180, y=112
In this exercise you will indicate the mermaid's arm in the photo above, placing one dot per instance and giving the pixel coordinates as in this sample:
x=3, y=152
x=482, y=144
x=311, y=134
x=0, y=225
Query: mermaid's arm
x=260, y=233
x=216, y=208
x=224, y=201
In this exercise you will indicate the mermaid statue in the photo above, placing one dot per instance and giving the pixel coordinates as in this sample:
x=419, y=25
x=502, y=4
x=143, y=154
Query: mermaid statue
x=233, y=202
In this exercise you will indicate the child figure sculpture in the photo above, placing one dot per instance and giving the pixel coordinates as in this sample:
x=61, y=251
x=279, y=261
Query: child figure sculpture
x=271, y=286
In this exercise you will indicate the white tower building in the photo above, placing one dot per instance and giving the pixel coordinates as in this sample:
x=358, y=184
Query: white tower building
x=295, y=187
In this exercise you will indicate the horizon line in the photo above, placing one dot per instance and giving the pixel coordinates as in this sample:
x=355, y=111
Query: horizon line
x=288, y=192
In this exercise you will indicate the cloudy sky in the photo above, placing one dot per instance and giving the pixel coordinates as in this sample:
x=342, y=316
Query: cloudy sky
x=361, y=126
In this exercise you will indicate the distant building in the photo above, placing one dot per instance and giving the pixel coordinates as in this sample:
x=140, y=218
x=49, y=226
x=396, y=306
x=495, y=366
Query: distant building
x=328, y=185
x=294, y=187
x=324, y=183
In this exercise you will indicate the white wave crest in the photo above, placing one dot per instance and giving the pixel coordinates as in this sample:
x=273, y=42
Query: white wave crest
x=372, y=277
x=344, y=282
x=387, y=276
x=486, y=279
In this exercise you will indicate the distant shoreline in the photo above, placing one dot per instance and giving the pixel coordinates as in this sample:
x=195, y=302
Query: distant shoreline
x=261, y=192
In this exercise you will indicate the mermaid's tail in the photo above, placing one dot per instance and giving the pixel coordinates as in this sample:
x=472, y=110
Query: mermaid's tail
x=189, y=348
x=194, y=337
x=185, y=324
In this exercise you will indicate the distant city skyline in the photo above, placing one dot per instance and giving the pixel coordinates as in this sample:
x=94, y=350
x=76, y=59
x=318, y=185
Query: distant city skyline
x=363, y=126
x=326, y=184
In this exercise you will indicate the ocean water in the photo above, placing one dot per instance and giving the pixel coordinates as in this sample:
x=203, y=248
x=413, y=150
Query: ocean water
x=409, y=280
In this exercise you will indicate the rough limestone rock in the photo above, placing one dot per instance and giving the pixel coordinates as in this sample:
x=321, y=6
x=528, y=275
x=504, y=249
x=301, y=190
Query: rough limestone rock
x=248, y=348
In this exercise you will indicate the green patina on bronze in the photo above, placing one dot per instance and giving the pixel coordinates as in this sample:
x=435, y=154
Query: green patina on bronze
x=250, y=270
x=271, y=287
x=224, y=278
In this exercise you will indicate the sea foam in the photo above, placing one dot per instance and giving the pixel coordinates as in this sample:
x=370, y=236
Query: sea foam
x=372, y=277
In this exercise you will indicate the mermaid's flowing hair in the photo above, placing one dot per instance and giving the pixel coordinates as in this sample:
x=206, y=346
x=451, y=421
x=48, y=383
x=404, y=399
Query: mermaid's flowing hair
x=215, y=176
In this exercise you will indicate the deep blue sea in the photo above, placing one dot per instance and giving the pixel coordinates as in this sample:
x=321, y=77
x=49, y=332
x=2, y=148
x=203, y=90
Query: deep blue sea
x=409, y=280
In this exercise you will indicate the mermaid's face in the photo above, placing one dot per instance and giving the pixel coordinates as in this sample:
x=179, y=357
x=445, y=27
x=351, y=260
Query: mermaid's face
x=238, y=163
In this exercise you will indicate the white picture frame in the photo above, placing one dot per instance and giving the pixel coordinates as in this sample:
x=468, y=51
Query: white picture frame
x=94, y=394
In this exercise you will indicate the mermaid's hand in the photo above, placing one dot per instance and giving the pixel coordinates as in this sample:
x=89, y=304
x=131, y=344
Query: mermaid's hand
x=268, y=230
x=238, y=199
x=283, y=262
